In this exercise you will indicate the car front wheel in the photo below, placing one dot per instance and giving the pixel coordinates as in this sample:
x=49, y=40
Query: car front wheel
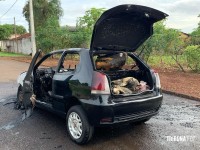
x=78, y=127
x=19, y=103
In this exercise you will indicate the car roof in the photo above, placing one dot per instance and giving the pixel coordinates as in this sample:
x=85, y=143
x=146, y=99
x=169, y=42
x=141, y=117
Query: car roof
x=69, y=50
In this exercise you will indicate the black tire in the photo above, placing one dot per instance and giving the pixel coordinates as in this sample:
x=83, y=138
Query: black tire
x=87, y=129
x=19, y=103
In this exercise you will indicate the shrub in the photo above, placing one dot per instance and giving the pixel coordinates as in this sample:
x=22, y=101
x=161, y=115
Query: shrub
x=192, y=54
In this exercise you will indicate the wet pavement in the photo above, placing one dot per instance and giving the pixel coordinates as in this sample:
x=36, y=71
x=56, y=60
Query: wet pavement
x=177, y=126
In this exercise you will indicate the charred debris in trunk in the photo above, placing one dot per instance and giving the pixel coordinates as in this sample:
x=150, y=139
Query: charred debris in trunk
x=127, y=75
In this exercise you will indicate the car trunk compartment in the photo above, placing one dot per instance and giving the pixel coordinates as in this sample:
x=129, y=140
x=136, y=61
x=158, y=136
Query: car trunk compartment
x=140, y=76
x=118, y=68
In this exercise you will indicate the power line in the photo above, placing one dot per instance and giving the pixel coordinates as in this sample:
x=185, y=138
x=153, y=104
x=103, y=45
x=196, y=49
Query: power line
x=9, y=9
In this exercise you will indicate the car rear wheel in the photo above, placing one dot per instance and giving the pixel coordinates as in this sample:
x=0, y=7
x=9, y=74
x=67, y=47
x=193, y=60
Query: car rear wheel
x=78, y=127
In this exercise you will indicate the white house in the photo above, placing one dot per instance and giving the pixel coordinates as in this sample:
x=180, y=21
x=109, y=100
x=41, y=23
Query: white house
x=20, y=44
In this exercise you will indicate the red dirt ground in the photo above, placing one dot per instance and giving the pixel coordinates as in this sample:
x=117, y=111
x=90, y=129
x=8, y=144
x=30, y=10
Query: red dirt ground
x=171, y=80
x=180, y=82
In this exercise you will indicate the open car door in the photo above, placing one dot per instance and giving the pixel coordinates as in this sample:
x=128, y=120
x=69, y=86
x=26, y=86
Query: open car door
x=28, y=82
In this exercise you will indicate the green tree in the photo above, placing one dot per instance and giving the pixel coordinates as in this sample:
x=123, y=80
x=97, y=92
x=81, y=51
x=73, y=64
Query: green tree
x=76, y=38
x=156, y=43
x=192, y=54
x=195, y=35
x=164, y=41
x=175, y=46
x=7, y=30
x=4, y=34
x=43, y=10
x=48, y=37
x=46, y=20
x=86, y=23
x=72, y=37
x=80, y=35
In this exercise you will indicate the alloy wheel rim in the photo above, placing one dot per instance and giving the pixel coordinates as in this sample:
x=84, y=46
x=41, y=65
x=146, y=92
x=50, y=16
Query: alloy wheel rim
x=75, y=125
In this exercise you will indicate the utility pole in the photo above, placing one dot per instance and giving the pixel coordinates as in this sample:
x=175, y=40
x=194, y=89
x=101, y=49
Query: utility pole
x=32, y=28
x=15, y=35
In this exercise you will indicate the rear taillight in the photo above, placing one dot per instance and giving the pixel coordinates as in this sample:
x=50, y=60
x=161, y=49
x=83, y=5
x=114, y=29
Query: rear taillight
x=158, y=85
x=100, y=84
x=154, y=71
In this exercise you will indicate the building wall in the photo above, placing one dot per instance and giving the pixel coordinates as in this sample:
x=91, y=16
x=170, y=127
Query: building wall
x=17, y=46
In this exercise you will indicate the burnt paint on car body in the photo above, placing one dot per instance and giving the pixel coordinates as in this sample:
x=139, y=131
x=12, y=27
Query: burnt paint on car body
x=78, y=85
x=68, y=86
x=65, y=84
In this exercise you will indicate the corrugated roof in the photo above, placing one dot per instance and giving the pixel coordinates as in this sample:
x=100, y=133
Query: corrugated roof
x=26, y=35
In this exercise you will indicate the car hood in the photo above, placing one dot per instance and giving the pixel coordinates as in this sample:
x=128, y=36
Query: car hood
x=124, y=27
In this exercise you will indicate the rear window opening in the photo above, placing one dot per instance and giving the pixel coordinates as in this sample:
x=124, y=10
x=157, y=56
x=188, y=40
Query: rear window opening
x=126, y=74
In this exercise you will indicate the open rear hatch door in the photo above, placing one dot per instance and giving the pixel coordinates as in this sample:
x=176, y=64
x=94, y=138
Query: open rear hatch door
x=124, y=28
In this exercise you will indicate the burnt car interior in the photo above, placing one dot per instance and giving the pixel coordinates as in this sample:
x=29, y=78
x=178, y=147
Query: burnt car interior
x=45, y=69
x=117, y=68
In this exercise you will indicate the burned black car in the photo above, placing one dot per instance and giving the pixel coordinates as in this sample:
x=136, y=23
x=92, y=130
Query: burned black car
x=104, y=85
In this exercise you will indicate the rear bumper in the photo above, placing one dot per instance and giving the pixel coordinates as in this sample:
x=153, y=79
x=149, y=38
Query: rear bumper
x=135, y=116
x=128, y=111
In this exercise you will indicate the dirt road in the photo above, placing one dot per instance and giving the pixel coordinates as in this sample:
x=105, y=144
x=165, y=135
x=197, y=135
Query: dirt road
x=175, y=127
x=10, y=70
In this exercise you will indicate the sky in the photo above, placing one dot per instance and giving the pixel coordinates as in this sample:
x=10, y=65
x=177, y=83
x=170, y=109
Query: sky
x=182, y=13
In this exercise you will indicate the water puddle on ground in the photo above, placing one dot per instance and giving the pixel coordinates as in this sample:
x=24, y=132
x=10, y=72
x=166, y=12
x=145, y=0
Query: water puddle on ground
x=9, y=126
x=16, y=120
x=2, y=100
